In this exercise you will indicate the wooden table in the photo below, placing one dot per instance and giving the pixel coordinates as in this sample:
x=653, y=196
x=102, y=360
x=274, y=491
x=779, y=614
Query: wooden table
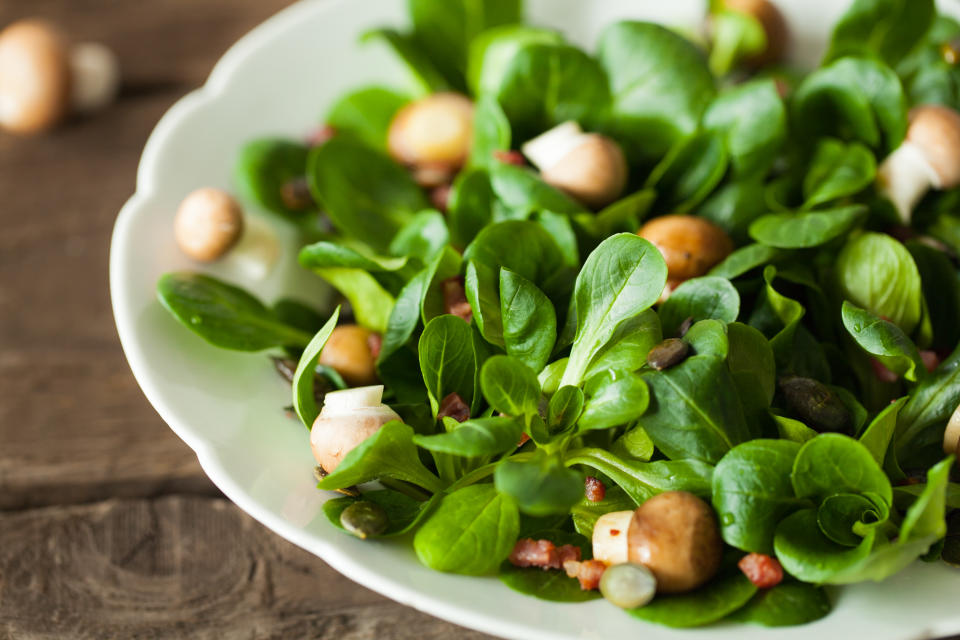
x=108, y=526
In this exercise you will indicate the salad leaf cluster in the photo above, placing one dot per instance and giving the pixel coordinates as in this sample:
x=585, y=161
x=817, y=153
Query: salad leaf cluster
x=822, y=360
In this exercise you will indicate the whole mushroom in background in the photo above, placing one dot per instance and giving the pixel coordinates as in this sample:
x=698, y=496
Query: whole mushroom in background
x=433, y=137
x=43, y=78
x=210, y=226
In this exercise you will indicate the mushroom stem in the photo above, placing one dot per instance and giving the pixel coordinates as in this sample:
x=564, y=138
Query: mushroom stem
x=255, y=254
x=611, y=540
x=549, y=148
x=905, y=177
x=96, y=77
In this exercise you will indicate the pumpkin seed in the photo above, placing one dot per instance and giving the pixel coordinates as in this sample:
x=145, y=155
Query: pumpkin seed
x=668, y=353
x=815, y=404
x=364, y=519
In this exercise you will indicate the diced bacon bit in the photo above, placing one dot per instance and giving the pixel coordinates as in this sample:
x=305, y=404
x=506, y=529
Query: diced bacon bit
x=594, y=489
x=528, y=552
x=883, y=374
x=454, y=407
x=572, y=567
x=375, y=344
x=510, y=157
x=930, y=359
x=762, y=570
x=440, y=197
x=589, y=573
x=455, y=299
x=524, y=439
x=320, y=136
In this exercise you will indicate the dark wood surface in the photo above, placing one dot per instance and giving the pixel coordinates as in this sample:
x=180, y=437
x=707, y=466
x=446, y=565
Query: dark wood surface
x=108, y=526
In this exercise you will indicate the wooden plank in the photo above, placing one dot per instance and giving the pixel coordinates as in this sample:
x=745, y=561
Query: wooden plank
x=73, y=425
x=181, y=567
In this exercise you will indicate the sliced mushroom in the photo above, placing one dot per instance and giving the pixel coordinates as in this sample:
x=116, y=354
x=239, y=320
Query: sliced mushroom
x=588, y=166
x=347, y=418
x=929, y=158
x=42, y=78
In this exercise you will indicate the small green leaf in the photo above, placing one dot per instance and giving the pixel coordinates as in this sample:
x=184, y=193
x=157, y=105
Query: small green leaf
x=304, y=400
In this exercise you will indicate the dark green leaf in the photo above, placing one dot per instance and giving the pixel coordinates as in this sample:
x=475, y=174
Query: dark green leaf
x=510, y=386
x=388, y=453
x=620, y=279
x=709, y=297
x=788, y=604
x=694, y=410
x=224, y=315
x=304, y=399
x=477, y=437
x=714, y=601
x=471, y=532
x=752, y=492
x=262, y=169
x=529, y=321
x=838, y=170
x=808, y=229
x=366, y=194
x=887, y=29
x=642, y=480
x=366, y=114
x=753, y=121
x=650, y=108
x=614, y=398
x=541, y=486
x=449, y=361
x=884, y=340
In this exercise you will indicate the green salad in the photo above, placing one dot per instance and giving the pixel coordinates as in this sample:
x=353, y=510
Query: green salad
x=666, y=321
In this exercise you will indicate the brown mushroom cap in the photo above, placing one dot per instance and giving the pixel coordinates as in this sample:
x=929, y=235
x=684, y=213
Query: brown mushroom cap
x=935, y=130
x=594, y=172
x=435, y=132
x=208, y=223
x=675, y=535
x=348, y=351
x=690, y=245
x=774, y=26
x=34, y=77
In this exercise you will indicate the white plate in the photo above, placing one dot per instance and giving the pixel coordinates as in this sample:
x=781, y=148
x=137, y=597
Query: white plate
x=226, y=406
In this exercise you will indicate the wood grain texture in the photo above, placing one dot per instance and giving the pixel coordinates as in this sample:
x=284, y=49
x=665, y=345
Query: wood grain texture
x=173, y=560
x=180, y=567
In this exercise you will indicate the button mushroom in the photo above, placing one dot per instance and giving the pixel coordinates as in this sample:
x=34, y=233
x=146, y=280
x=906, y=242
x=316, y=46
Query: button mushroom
x=42, y=78
x=928, y=158
x=587, y=166
x=433, y=137
x=690, y=245
x=674, y=534
x=210, y=226
x=347, y=418
x=349, y=352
